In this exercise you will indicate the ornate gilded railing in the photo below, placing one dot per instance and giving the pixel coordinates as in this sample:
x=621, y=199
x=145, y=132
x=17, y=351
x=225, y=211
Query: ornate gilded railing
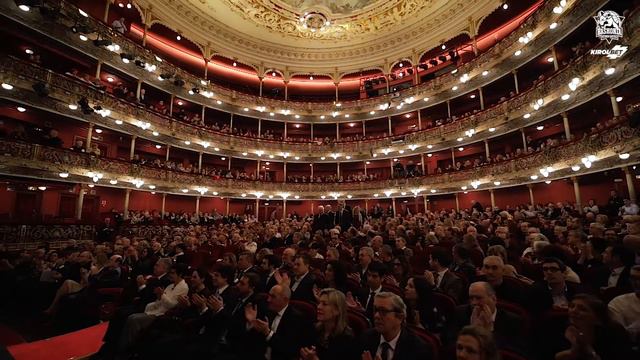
x=45, y=162
x=507, y=114
x=498, y=59
x=25, y=235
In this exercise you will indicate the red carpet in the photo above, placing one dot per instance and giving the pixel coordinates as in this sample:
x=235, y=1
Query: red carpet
x=64, y=347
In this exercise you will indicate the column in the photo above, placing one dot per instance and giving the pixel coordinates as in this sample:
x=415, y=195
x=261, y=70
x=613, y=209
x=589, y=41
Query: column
x=203, y=115
x=424, y=167
x=229, y=165
x=365, y=168
x=259, y=127
x=126, y=204
x=393, y=204
x=285, y=131
x=576, y=190
x=168, y=151
x=164, y=202
x=257, y=206
x=261, y=80
x=457, y=203
x=284, y=208
x=338, y=169
x=231, y=123
x=390, y=130
x=391, y=167
x=364, y=126
x=567, y=128
x=486, y=149
x=133, y=147
x=145, y=30
x=138, y=88
x=416, y=78
x=98, y=69
x=200, y=161
x=614, y=103
x=524, y=140
x=227, y=209
x=79, y=202
x=87, y=144
x=419, y=120
x=206, y=68
x=448, y=108
x=630, y=186
x=366, y=206
x=311, y=125
x=481, y=98
x=531, y=199
x=105, y=18
x=336, y=84
x=173, y=98
x=286, y=89
x=555, y=58
x=386, y=78
x=285, y=170
x=337, y=131
x=515, y=80
x=257, y=169
x=493, y=198
x=475, y=45
x=198, y=205
x=426, y=203
x=311, y=169
x=453, y=157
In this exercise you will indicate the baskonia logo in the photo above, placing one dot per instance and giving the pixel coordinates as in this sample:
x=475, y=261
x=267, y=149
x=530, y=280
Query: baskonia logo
x=609, y=28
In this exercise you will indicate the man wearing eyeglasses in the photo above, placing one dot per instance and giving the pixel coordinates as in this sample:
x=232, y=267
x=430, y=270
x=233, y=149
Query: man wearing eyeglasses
x=554, y=292
x=389, y=339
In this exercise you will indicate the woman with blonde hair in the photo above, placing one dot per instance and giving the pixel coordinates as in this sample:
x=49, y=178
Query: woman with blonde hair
x=334, y=337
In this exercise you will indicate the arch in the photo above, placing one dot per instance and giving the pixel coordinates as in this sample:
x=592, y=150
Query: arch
x=176, y=32
x=238, y=62
x=304, y=73
x=365, y=70
x=400, y=61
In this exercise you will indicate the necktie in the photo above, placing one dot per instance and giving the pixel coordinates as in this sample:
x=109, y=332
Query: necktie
x=384, y=350
x=436, y=277
x=369, y=308
x=238, y=307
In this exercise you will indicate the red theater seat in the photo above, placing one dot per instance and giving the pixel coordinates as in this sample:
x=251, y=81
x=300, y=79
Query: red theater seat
x=72, y=345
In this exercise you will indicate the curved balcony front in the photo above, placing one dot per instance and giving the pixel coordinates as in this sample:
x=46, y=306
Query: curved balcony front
x=601, y=148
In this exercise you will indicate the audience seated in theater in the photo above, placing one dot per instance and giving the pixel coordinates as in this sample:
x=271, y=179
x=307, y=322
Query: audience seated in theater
x=441, y=278
x=421, y=309
x=554, y=292
x=493, y=273
x=364, y=300
x=625, y=309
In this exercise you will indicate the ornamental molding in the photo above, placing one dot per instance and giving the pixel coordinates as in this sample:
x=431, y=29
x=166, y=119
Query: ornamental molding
x=259, y=32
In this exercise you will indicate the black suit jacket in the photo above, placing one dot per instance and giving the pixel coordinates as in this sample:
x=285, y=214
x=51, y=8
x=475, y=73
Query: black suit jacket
x=294, y=332
x=506, y=329
x=237, y=325
x=409, y=346
x=304, y=291
x=540, y=298
x=452, y=285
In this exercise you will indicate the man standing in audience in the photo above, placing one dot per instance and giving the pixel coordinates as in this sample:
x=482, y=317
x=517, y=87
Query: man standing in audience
x=365, y=258
x=302, y=282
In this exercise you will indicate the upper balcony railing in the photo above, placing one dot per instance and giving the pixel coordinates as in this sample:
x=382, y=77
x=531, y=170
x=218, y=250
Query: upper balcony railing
x=33, y=160
x=499, y=60
x=504, y=117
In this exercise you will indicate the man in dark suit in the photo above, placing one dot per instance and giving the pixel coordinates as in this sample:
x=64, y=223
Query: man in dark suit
x=482, y=311
x=344, y=217
x=302, y=282
x=618, y=260
x=237, y=324
x=375, y=274
x=389, y=339
x=493, y=273
x=554, y=292
x=441, y=278
x=270, y=264
x=222, y=280
x=462, y=263
x=245, y=265
x=282, y=334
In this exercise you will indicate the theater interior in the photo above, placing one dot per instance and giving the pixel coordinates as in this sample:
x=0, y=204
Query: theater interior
x=313, y=179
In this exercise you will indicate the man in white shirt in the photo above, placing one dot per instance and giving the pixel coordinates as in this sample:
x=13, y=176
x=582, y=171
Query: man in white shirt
x=625, y=309
x=629, y=208
x=166, y=299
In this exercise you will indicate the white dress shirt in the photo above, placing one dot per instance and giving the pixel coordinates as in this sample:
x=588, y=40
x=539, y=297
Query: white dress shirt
x=625, y=309
x=392, y=346
x=298, y=281
x=274, y=327
x=168, y=300
x=614, y=276
x=440, y=276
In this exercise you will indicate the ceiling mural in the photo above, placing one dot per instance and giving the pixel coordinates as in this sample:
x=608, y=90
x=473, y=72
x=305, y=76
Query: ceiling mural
x=319, y=35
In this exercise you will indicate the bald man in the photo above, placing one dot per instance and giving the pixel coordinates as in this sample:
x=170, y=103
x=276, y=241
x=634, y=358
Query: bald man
x=283, y=333
x=482, y=311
